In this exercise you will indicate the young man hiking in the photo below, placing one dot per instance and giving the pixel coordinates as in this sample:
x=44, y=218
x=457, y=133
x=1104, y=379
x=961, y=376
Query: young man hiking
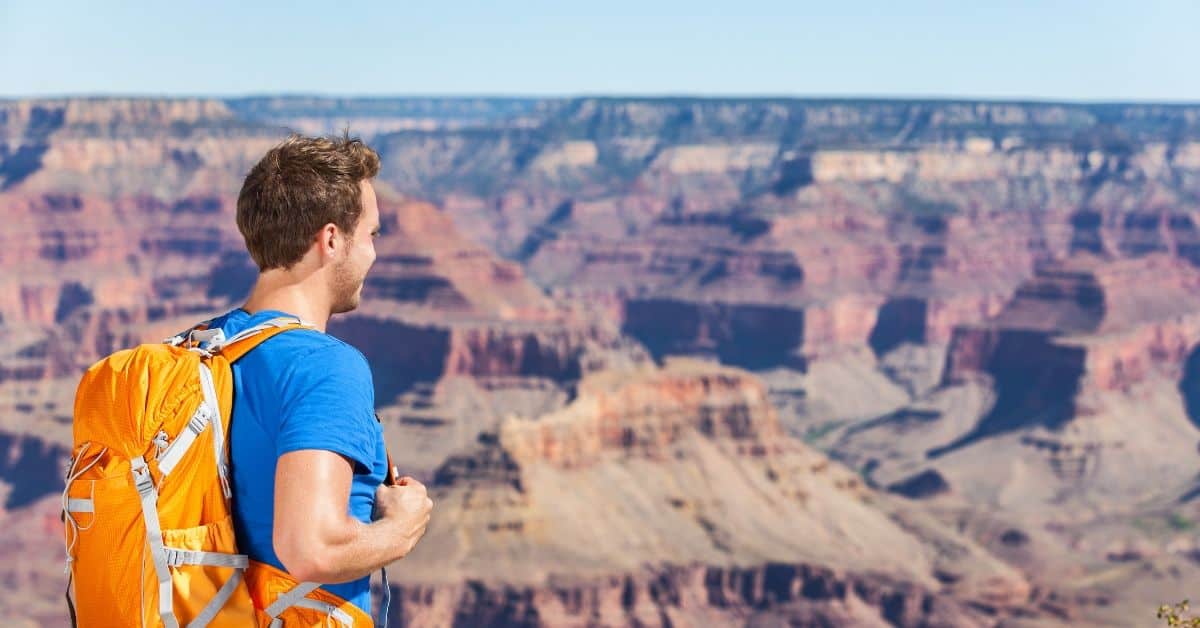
x=235, y=474
x=307, y=455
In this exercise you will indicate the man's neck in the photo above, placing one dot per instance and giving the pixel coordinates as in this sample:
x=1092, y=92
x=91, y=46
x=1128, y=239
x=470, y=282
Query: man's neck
x=276, y=290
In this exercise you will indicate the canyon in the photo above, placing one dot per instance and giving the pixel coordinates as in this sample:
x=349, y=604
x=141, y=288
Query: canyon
x=681, y=361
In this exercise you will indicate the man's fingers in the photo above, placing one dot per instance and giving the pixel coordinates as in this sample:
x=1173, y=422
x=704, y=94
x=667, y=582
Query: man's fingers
x=408, y=480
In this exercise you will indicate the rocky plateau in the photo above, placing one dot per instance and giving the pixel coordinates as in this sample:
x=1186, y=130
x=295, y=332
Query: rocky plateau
x=681, y=362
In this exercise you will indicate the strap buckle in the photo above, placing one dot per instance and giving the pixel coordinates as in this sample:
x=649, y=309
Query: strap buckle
x=206, y=338
x=176, y=557
x=199, y=420
x=141, y=476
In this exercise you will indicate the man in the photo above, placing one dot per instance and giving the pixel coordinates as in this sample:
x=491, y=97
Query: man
x=307, y=455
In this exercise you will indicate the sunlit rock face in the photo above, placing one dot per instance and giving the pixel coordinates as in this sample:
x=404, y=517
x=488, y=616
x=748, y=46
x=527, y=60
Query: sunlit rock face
x=978, y=304
x=120, y=229
x=980, y=316
x=929, y=213
x=657, y=453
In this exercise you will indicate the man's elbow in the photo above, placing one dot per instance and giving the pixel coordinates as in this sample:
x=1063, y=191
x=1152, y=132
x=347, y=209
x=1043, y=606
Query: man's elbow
x=306, y=562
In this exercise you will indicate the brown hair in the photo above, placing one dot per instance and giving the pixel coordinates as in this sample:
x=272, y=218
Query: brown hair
x=298, y=187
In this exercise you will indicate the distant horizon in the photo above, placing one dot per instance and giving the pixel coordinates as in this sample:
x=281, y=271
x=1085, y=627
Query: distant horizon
x=947, y=99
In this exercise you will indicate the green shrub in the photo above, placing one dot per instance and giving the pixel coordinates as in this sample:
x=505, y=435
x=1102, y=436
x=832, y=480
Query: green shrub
x=1177, y=616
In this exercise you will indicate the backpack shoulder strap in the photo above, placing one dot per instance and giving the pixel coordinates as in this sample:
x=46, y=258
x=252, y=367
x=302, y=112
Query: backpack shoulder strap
x=184, y=337
x=243, y=342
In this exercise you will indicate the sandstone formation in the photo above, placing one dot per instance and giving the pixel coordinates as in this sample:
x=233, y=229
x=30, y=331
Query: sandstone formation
x=1066, y=418
x=119, y=230
x=918, y=216
x=983, y=314
x=620, y=508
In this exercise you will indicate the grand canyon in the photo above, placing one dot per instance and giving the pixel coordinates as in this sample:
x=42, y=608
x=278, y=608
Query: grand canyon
x=680, y=361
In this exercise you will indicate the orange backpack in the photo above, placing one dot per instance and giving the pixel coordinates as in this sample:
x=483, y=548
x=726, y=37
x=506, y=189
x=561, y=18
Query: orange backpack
x=149, y=527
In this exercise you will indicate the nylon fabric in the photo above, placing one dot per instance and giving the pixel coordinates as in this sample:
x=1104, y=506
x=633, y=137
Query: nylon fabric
x=289, y=599
x=218, y=601
x=334, y=613
x=179, y=447
x=268, y=584
x=140, y=517
x=149, y=500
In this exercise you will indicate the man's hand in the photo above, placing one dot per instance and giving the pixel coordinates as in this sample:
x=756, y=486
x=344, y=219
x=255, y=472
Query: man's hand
x=407, y=506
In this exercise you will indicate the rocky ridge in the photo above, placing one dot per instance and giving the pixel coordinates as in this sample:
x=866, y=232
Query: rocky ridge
x=889, y=270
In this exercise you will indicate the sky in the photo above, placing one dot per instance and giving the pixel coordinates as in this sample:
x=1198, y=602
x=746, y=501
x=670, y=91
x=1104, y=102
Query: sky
x=1045, y=50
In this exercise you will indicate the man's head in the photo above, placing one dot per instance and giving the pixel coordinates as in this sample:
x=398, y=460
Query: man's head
x=311, y=199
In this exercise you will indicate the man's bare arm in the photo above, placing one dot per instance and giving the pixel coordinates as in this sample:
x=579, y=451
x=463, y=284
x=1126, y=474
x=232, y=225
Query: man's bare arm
x=315, y=537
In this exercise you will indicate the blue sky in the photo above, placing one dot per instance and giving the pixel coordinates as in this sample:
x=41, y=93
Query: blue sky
x=1098, y=50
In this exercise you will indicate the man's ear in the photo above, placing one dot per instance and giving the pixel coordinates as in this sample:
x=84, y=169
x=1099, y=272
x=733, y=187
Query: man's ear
x=329, y=240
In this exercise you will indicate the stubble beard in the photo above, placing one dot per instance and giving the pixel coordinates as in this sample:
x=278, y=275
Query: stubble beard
x=346, y=288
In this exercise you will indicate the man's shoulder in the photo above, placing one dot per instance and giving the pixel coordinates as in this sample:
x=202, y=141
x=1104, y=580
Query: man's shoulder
x=296, y=348
x=321, y=347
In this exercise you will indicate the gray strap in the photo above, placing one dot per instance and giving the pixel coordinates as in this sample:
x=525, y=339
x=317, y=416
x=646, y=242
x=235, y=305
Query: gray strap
x=80, y=505
x=184, y=335
x=386, y=603
x=183, y=442
x=246, y=333
x=202, y=337
x=149, y=497
x=218, y=602
x=176, y=557
x=210, y=399
x=289, y=599
x=336, y=613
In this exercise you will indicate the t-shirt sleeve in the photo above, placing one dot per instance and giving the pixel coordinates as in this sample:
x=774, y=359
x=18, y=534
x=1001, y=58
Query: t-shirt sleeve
x=329, y=404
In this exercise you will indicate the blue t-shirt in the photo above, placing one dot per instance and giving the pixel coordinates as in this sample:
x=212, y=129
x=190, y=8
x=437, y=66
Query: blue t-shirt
x=301, y=389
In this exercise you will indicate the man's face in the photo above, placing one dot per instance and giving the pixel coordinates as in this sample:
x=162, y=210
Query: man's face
x=350, y=271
